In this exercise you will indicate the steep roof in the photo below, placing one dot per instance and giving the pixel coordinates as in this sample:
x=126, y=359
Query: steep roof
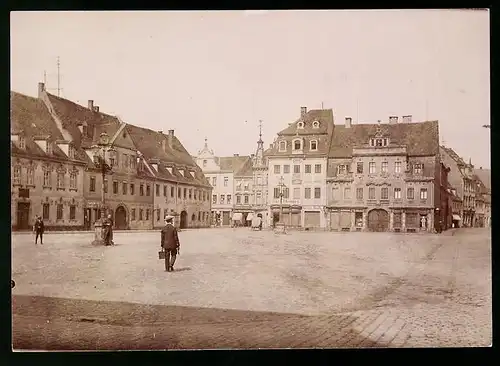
x=484, y=175
x=323, y=116
x=420, y=138
x=453, y=155
x=236, y=164
x=30, y=117
x=72, y=114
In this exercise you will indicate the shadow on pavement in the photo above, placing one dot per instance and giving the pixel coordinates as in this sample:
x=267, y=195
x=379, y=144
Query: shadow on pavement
x=182, y=269
x=46, y=323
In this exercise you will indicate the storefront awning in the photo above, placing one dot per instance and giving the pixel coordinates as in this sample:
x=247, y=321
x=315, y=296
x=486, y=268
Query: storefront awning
x=237, y=216
x=456, y=217
x=250, y=216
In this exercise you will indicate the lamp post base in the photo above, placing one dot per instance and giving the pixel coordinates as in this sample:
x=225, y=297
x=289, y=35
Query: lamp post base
x=99, y=235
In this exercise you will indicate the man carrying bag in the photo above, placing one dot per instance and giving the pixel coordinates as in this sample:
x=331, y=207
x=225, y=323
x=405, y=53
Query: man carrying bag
x=169, y=243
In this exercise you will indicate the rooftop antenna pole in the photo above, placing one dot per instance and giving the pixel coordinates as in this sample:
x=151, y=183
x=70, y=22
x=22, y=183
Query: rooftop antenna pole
x=357, y=110
x=260, y=129
x=58, y=78
x=45, y=77
x=322, y=105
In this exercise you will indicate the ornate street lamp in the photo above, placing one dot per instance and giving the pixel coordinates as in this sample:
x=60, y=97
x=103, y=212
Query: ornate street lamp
x=282, y=188
x=104, y=158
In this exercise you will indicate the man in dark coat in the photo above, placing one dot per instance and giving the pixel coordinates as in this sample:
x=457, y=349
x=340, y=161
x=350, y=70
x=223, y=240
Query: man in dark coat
x=38, y=228
x=108, y=231
x=170, y=243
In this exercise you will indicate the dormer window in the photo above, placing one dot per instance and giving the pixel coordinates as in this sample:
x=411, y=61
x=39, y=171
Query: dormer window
x=71, y=152
x=417, y=168
x=22, y=142
x=48, y=148
x=204, y=163
x=300, y=125
x=297, y=144
x=379, y=142
x=313, y=145
x=315, y=124
x=282, y=146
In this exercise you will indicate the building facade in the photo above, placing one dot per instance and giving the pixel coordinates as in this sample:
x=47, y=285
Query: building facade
x=47, y=170
x=260, y=173
x=297, y=164
x=383, y=177
x=484, y=179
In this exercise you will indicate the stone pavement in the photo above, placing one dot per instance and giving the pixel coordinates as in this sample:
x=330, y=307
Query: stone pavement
x=245, y=289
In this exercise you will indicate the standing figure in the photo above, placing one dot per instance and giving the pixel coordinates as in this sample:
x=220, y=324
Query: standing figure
x=170, y=243
x=38, y=229
x=108, y=231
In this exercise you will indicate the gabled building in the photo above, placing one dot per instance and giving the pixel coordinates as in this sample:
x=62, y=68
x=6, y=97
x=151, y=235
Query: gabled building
x=383, y=176
x=47, y=169
x=297, y=162
x=260, y=173
x=180, y=188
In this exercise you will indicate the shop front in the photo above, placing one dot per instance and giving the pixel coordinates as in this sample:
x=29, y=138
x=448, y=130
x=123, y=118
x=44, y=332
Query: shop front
x=291, y=215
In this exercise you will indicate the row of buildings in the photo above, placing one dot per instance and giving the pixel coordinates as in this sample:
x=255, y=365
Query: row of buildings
x=54, y=172
x=391, y=176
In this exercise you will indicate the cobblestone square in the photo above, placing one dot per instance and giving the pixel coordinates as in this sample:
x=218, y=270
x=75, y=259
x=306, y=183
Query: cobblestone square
x=246, y=289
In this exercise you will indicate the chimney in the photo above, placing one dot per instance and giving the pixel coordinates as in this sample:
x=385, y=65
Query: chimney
x=252, y=155
x=393, y=119
x=170, y=138
x=407, y=119
x=171, y=132
x=303, y=111
x=91, y=104
x=96, y=108
x=270, y=146
x=41, y=89
x=236, y=155
x=160, y=132
x=163, y=144
x=348, y=122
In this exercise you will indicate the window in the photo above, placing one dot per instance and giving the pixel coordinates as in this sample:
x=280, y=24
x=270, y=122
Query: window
x=226, y=180
x=282, y=146
x=105, y=186
x=277, y=169
x=92, y=184
x=148, y=190
x=194, y=194
x=115, y=187
x=72, y=212
x=238, y=186
x=46, y=211
x=172, y=191
x=347, y=193
x=317, y=192
x=190, y=193
x=259, y=179
x=315, y=124
x=384, y=193
x=335, y=193
x=317, y=168
x=238, y=199
x=228, y=199
x=72, y=180
x=204, y=163
x=423, y=193
x=371, y=193
x=214, y=181
x=297, y=145
x=132, y=189
x=59, y=212
x=307, y=168
x=140, y=214
x=245, y=187
x=124, y=188
x=31, y=177
x=157, y=189
x=313, y=145
x=397, y=167
x=185, y=193
x=307, y=193
x=417, y=169
x=286, y=169
x=397, y=193
x=300, y=125
x=132, y=216
x=359, y=168
x=222, y=199
x=410, y=193
x=246, y=199
x=17, y=175
x=296, y=193
x=371, y=167
x=296, y=169
x=147, y=214
x=22, y=142
x=141, y=190
x=165, y=191
x=359, y=194
x=286, y=193
x=48, y=148
x=60, y=180
x=341, y=169
x=71, y=152
x=276, y=192
x=214, y=199
x=385, y=166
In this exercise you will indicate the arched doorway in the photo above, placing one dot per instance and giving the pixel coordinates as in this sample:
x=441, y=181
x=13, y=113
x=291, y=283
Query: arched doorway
x=184, y=216
x=121, y=218
x=378, y=220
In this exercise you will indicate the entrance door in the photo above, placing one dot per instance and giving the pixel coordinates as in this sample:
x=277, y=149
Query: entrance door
x=378, y=220
x=334, y=220
x=184, y=216
x=225, y=218
x=23, y=211
x=87, y=218
x=121, y=218
x=295, y=219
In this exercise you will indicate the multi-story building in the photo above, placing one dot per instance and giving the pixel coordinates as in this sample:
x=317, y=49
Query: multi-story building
x=297, y=163
x=180, y=188
x=47, y=169
x=384, y=177
x=221, y=173
x=444, y=211
x=456, y=208
x=243, y=188
x=484, y=176
x=461, y=177
x=259, y=182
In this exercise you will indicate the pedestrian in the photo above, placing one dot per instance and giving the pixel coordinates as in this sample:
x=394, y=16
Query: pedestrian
x=108, y=231
x=170, y=243
x=38, y=229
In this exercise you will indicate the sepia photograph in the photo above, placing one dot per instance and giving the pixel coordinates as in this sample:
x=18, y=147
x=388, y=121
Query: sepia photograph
x=251, y=179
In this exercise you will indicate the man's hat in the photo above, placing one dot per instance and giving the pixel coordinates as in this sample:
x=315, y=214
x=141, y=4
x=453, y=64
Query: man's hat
x=169, y=217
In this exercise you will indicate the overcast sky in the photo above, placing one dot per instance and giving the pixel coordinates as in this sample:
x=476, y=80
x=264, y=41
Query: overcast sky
x=215, y=74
